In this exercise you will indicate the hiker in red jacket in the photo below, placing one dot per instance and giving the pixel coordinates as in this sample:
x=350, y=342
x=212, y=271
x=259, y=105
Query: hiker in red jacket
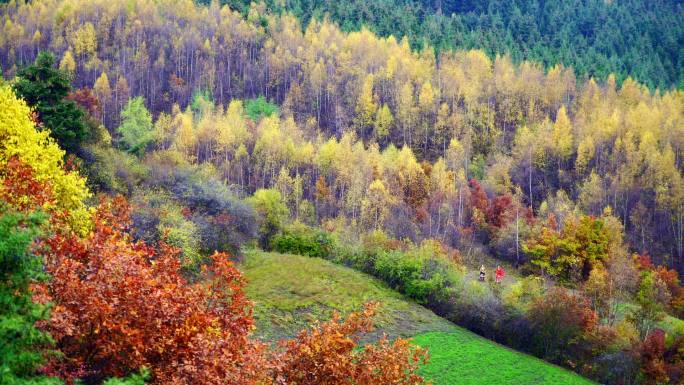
x=499, y=274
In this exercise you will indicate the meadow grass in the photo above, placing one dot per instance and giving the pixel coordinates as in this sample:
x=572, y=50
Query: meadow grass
x=290, y=291
x=461, y=357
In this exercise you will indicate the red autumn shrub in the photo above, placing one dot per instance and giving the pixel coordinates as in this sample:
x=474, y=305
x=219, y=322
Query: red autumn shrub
x=21, y=190
x=653, y=364
x=120, y=306
x=564, y=325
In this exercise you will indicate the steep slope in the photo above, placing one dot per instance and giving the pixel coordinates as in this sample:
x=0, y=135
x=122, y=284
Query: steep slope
x=291, y=290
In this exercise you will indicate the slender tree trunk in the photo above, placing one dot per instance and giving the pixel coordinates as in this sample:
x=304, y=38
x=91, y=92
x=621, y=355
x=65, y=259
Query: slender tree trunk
x=517, y=237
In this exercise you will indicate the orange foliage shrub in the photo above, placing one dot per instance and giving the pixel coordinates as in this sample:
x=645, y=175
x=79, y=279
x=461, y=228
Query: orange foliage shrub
x=328, y=355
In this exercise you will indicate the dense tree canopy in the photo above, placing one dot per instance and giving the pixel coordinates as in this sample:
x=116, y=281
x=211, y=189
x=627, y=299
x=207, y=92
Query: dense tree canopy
x=628, y=38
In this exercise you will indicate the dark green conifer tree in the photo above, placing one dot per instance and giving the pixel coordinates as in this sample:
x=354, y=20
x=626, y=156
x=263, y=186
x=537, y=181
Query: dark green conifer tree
x=45, y=88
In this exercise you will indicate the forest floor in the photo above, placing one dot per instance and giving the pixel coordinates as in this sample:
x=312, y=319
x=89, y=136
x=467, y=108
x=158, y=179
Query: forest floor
x=290, y=291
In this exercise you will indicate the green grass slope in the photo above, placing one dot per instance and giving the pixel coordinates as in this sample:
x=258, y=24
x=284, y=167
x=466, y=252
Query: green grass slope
x=290, y=291
x=465, y=358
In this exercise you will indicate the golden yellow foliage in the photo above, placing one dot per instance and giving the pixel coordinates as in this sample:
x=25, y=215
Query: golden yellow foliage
x=19, y=138
x=68, y=64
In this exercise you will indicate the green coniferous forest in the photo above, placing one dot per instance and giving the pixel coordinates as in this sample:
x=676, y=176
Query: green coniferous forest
x=597, y=37
x=357, y=193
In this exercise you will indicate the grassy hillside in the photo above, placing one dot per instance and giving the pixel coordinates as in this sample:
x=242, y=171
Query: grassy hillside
x=462, y=357
x=290, y=290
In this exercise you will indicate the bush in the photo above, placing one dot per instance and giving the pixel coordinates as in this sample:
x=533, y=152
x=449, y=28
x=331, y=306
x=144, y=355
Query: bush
x=259, y=107
x=403, y=273
x=525, y=292
x=479, y=310
x=424, y=273
x=268, y=203
x=304, y=240
x=158, y=217
x=110, y=170
x=562, y=322
x=224, y=222
x=619, y=367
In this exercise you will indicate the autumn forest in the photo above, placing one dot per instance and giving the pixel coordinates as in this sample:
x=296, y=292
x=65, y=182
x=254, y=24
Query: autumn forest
x=152, y=150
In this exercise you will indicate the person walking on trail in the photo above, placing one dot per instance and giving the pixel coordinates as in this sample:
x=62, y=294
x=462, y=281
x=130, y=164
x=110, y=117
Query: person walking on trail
x=499, y=274
x=482, y=273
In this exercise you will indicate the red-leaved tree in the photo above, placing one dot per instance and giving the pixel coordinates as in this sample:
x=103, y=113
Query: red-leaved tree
x=564, y=325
